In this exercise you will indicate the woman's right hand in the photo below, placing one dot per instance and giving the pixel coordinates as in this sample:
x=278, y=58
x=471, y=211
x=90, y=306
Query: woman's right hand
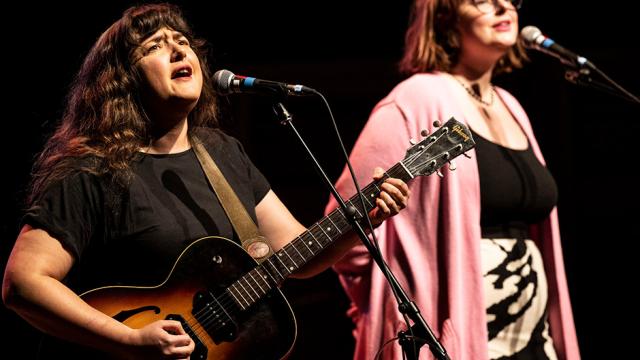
x=162, y=339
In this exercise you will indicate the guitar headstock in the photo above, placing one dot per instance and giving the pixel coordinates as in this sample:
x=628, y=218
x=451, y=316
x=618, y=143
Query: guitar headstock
x=443, y=145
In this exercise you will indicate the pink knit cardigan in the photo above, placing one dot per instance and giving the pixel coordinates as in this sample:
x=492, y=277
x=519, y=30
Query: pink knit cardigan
x=433, y=247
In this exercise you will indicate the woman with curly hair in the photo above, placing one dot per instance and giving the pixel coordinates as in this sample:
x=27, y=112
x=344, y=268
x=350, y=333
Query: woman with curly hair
x=118, y=194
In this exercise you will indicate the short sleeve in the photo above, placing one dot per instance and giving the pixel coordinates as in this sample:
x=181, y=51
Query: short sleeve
x=69, y=211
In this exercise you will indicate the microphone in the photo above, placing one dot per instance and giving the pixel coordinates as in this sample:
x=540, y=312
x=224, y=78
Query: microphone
x=534, y=39
x=225, y=82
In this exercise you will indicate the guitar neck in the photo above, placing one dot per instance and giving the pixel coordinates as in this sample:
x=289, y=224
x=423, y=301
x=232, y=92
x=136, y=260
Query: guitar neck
x=276, y=268
x=326, y=231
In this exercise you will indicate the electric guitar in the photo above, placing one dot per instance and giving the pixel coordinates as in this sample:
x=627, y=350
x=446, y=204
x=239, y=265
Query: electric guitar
x=230, y=305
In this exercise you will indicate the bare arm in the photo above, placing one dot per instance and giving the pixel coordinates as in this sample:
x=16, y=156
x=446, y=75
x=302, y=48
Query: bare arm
x=33, y=289
x=280, y=227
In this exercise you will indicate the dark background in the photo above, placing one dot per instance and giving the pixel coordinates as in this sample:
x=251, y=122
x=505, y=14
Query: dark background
x=348, y=51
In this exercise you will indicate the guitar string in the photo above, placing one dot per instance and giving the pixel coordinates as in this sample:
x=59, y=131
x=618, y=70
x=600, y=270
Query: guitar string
x=204, y=324
x=225, y=300
x=252, y=285
x=199, y=326
x=212, y=313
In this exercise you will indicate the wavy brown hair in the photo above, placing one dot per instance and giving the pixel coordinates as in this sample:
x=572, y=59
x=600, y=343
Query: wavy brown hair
x=432, y=41
x=104, y=123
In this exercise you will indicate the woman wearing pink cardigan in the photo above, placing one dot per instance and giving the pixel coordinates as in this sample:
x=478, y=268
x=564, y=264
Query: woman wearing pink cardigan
x=478, y=249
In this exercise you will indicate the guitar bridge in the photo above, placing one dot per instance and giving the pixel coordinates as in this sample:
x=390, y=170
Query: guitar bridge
x=200, y=351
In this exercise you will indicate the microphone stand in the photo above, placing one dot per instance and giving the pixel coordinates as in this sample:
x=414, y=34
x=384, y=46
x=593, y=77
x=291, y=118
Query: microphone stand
x=581, y=75
x=419, y=334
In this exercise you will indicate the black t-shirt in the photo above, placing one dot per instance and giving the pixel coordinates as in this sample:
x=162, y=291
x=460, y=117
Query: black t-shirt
x=168, y=205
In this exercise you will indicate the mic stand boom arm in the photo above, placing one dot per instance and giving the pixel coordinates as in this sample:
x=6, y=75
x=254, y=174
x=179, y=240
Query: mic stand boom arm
x=420, y=333
x=581, y=75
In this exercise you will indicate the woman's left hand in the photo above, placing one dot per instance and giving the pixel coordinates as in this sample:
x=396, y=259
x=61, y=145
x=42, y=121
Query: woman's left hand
x=393, y=198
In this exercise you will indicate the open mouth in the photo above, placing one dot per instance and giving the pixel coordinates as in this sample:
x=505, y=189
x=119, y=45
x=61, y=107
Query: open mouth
x=183, y=71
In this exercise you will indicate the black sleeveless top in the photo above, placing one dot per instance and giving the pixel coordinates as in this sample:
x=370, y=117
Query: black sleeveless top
x=515, y=189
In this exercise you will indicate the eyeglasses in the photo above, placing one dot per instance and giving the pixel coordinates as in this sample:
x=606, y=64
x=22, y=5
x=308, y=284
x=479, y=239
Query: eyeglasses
x=489, y=6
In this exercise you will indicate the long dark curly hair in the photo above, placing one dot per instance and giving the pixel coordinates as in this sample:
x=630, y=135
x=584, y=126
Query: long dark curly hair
x=104, y=123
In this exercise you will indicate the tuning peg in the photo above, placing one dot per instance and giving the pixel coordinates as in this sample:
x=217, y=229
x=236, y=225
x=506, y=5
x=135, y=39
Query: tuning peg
x=412, y=141
x=466, y=155
x=439, y=173
x=437, y=123
x=452, y=166
x=424, y=132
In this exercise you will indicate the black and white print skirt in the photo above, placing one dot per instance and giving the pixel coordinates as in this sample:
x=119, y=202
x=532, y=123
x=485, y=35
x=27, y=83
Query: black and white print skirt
x=515, y=289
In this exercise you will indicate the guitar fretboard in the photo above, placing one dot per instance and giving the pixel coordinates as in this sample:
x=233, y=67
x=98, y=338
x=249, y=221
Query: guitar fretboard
x=275, y=269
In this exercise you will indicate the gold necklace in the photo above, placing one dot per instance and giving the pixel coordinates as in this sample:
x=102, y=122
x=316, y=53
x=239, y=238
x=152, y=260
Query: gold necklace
x=475, y=95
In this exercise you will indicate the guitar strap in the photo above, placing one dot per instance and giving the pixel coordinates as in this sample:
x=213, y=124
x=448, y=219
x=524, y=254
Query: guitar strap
x=252, y=241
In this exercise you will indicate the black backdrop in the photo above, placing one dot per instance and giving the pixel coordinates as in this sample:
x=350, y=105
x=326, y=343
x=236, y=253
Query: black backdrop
x=348, y=51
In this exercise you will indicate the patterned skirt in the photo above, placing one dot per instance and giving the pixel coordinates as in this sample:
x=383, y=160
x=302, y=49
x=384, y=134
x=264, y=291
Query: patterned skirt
x=515, y=288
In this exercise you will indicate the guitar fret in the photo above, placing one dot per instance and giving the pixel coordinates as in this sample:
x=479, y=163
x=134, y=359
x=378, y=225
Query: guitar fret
x=257, y=278
x=278, y=255
x=245, y=291
x=366, y=198
x=257, y=283
x=314, y=237
x=342, y=223
x=242, y=296
x=296, y=249
x=235, y=298
x=251, y=287
x=275, y=268
x=265, y=275
x=329, y=217
x=369, y=202
x=325, y=234
x=284, y=249
x=305, y=243
x=338, y=216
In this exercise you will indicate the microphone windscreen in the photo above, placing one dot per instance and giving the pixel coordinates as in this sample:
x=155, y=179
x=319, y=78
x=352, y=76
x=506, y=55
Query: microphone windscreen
x=222, y=81
x=529, y=34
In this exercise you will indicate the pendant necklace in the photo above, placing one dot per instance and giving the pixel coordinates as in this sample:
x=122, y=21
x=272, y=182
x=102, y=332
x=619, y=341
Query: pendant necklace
x=475, y=95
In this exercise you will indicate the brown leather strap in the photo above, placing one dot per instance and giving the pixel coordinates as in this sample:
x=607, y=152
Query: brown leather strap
x=252, y=241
